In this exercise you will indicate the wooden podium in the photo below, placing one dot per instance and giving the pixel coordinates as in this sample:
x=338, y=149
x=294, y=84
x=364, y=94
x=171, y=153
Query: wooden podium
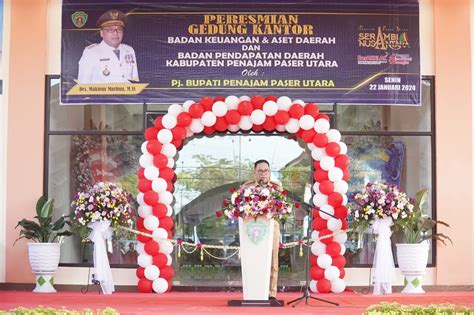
x=256, y=240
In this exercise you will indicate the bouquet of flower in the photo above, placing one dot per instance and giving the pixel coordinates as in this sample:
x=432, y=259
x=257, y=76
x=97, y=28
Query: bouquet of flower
x=255, y=201
x=104, y=201
x=379, y=200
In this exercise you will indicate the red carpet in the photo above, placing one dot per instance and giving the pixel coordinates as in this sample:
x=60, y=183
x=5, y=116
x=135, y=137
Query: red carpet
x=216, y=302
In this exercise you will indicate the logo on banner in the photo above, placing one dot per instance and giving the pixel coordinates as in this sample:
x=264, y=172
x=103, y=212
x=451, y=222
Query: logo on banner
x=383, y=38
x=256, y=231
x=79, y=18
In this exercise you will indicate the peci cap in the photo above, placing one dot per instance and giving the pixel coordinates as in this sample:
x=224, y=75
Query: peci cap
x=111, y=17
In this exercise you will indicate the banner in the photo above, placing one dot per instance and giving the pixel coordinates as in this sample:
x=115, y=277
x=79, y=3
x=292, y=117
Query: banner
x=365, y=53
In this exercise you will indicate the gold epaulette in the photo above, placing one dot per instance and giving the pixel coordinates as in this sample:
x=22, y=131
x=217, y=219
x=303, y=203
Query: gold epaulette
x=91, y=46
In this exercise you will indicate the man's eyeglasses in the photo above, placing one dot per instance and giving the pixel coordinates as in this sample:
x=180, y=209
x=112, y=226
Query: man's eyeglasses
x=113, y=30
x=263, y=171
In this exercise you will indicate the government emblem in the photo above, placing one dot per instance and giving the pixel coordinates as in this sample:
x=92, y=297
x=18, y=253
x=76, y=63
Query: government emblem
x=256, y=231
x=79, y=18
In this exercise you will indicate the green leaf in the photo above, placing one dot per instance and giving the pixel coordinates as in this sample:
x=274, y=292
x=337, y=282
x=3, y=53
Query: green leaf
x=39, y=205
x=47, y=210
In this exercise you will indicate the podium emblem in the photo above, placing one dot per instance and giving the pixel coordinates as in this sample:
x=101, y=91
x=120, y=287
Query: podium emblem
x=256, y=231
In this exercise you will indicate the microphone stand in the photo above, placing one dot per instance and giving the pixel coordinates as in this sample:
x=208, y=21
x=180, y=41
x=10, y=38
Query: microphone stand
x=306, y=295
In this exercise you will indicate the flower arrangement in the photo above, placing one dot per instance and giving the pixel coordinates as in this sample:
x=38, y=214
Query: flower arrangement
x=104, y=201
x=379, y=200
x=255, y=201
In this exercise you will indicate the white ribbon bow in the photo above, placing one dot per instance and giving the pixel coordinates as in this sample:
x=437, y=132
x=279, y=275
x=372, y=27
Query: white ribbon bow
x=384, y=267
x=101, y=231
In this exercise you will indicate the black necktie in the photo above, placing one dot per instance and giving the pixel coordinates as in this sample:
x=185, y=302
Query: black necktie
x=117, y=53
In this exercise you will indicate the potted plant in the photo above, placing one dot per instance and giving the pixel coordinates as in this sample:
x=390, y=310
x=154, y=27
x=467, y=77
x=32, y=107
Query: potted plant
x=413, y=255
x=47, y=236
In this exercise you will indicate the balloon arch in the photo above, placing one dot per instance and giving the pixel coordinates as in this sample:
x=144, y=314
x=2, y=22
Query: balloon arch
x=213, y=115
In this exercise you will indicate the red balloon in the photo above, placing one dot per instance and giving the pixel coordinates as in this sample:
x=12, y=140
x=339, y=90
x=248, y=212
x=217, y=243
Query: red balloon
x=141, y=173
x=153, y=146
x=311, y=109
x=177, y=143
x=335, y=199
x=346, y=175
x=324, y=286
x=321, y=234
x=209, y=130
x=269, y=124
x=139, y=223
x=221, y=124
x=344, y=224
x=257, y=101
x=166, y=223
x=308, y=135
x=316, y=272
x=166, y=173
x=152, y=248
x=282, y=117
x=179, y=133
x=326, y=187
x=170, y=187
x=160, y=260
x=316, y=165
x=333, y=249
x=319, y=224
x=316, y=213
x=320, y=140
x=296, y=111
x=170, y=234
x=313, y=260
x=151, y=197
x=170, y=285
x=333, y=149
x=298, y=134
x=323, y=116
x=196, y=110
x=342, y=272
x=158, y=123
x=206, y=103
x=257, y=128
x=320, y=175
x=144, y=185
x=145, y=285
x=166, y=272
x=271, y=98
x=341, y=161
x=184, y=119
x=140, y=272
x=159, y=210
x=219, y=99
x=341, y=212
x=339, y=261
x=232, y=117
x=245, y=108
x=160, y=160
x=143, y=238
x=151, y=133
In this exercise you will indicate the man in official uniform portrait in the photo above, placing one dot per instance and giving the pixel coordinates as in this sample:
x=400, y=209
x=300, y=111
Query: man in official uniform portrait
x=110, y=61
x=262, y=178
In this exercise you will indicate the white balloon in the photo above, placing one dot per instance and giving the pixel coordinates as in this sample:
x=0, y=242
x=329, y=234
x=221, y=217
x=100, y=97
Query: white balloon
x=152, y=272
x=338, y=286
x=316, y=188
x=169, y=211
x=343, y=147
x=208, y=119
x=232, y=102
x=160, y=285
x=169, y=121
x=333, y=135
x=321, y=125
x=144, y=260
x=144, y=211
x=343, y=249
x=300, y=102
x=284, y=102
x=187, y=104
x=335, y=174
x=318, y=248
x=170, y=163
x=168, y=149
x=341, y=237
x=280, y=128
x=233, y=128
x=140, y=200
x=332, y=273
x=326, y=208
x=318, y=153
x=324, y=261
x=344, y=199
x=320, y=199
x=311, y=146
x=189, y=132
x=292, y=126
x=160, y=234
x=170, y=260
x=164, y=136
x=315, y=235
x=151, y=222
x=313, y=286
x=146, y=160
x=166, y=246
x=175, y=109
x=140, y=248
x=327, y=163
x=341, y=187
x=144, y=149
x=244, y=98
x=245, y=123
x=159, y=185
x=196, y=125
x=306, y=122
x=219, y=108
x=334, y=224
x=270, y=108
x=166, y=197
x=257, y=117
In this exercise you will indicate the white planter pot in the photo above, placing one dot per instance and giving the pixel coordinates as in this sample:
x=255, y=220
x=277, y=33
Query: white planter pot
x=412, y=260
x=44, y=261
